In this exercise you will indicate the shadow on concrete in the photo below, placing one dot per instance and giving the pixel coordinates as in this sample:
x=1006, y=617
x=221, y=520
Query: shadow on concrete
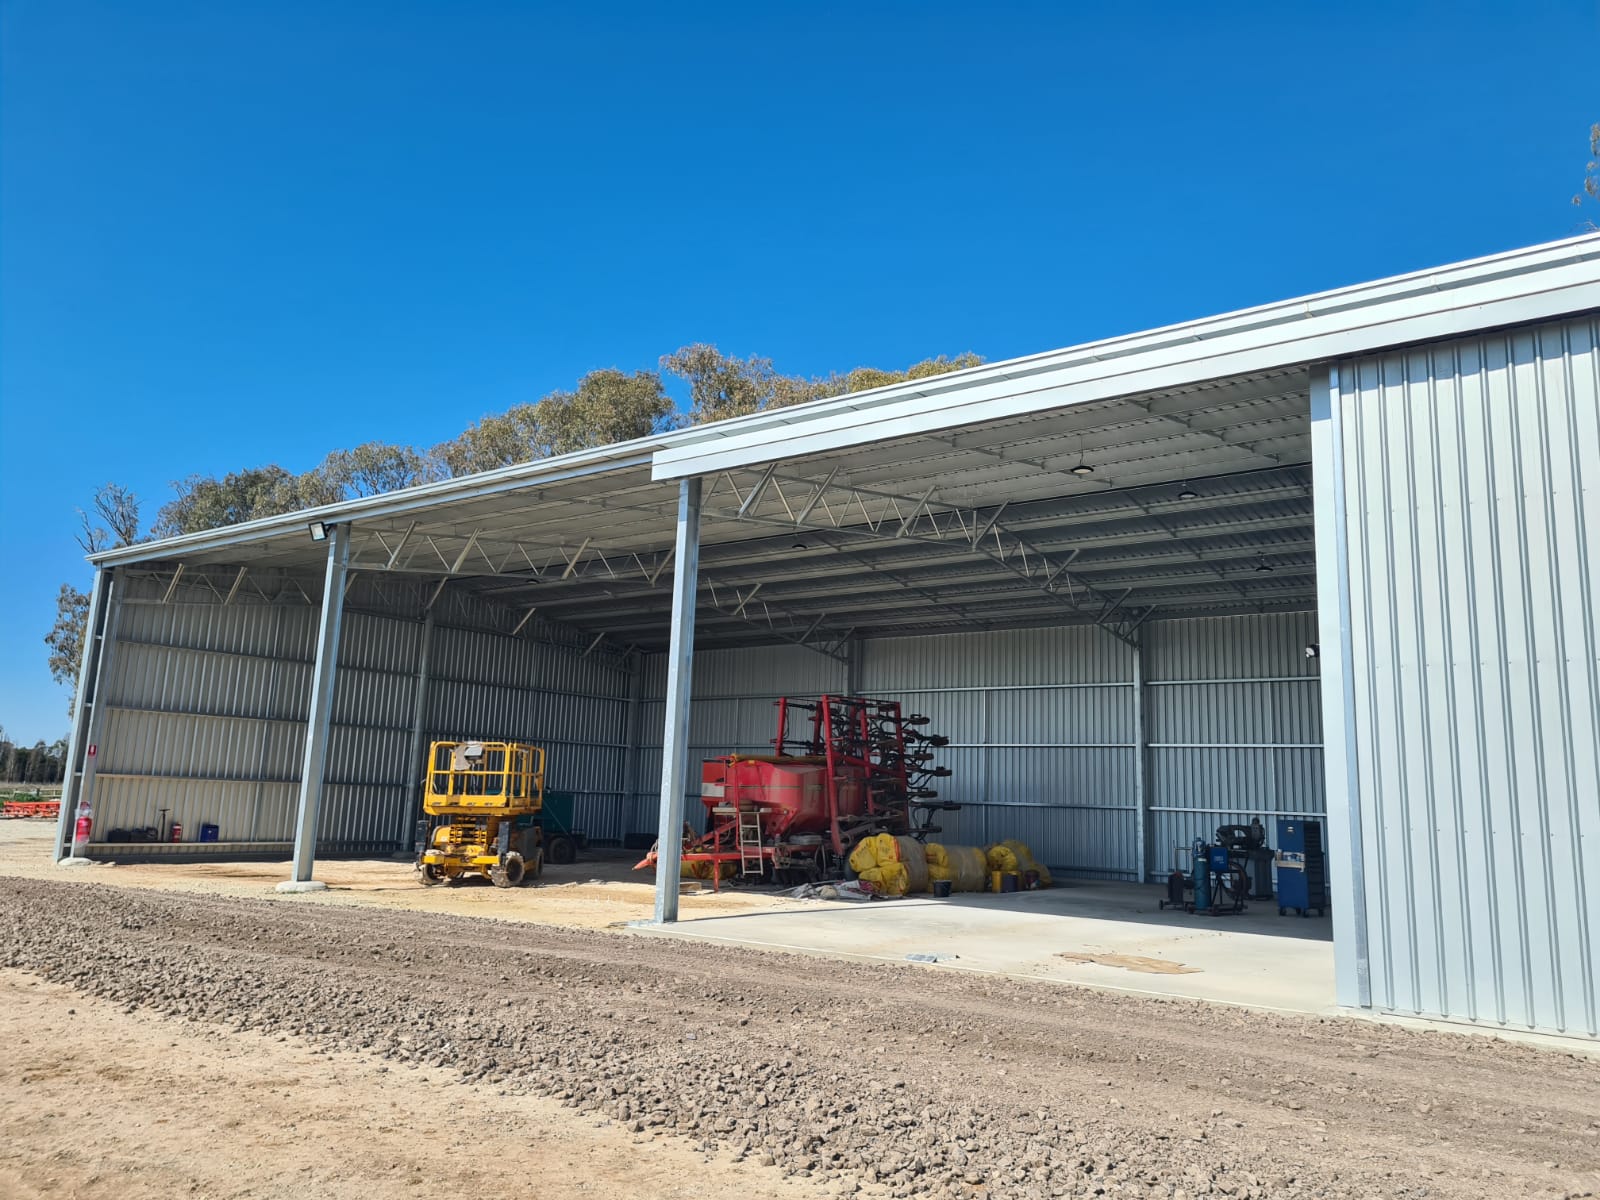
x=1078, y=899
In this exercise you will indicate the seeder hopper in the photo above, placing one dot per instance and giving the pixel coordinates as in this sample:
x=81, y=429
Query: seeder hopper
x=843, y=768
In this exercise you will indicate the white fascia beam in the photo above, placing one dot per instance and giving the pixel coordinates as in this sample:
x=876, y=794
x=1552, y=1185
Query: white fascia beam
x=1432, y=306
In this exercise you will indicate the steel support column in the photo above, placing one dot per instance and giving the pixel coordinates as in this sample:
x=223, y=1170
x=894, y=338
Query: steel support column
x=1346, y=870
x=630, y=760
x=99, y=633
x=675, y=735
x=1142, y=830
x=415, y=747
x=321, y=719
x=268, y=727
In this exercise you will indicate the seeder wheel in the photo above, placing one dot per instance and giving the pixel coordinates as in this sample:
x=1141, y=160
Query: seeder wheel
x=433, y=876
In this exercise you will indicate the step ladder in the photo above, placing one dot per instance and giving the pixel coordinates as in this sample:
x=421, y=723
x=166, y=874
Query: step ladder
x=751, y=861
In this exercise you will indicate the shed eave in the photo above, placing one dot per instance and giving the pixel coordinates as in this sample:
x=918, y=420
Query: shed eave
x=618, y=457
x=1532, y=284
x=1519, y=286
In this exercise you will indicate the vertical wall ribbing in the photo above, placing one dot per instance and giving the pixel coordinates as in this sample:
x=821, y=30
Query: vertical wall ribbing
x=1472, y=474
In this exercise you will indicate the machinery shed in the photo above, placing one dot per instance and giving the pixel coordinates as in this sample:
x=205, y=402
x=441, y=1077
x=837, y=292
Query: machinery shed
x=1331, y=559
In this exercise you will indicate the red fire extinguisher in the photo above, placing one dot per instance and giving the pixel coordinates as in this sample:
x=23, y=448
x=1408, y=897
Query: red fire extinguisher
x=80, y=835
x=177, y=832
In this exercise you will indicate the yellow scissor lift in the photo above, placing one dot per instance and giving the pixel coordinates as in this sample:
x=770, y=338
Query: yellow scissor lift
x=485, y=799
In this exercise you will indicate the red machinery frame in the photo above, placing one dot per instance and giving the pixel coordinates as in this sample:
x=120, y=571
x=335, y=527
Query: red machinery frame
x=876, y=769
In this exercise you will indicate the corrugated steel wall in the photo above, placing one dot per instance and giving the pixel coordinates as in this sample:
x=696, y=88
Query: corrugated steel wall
x=207, y=705
x=487, y=685
x=1041, y=734
x=1233, y=718
x=205, y=716
x=1041, y=728
x=1472, y=484
x=734, y=693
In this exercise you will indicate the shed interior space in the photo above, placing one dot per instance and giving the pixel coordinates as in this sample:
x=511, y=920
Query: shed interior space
x=1106, y=608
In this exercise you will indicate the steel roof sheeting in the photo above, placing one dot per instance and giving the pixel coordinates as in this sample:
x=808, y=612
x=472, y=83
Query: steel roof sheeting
x=1518, y=286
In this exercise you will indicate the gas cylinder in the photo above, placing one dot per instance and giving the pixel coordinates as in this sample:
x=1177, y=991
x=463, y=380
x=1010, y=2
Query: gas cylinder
x=1175, y=885
x=1202, y=877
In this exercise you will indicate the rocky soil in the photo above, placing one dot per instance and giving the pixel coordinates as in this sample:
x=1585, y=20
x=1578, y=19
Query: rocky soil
x=898, y=1081
x=191, y=1109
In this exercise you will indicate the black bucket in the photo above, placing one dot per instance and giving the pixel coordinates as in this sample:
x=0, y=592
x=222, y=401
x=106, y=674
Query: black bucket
x=941, y=888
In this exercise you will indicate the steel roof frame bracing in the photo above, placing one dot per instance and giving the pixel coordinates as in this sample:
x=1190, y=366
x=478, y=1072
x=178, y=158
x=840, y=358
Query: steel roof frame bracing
x=770, y=497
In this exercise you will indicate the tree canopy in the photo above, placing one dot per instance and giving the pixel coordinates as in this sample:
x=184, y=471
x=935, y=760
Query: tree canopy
x=606, y=406
x=38, y=763
x=118, y=508
x=1591, y=174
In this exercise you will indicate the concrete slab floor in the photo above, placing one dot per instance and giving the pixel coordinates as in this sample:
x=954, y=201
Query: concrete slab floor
x=1115, y=933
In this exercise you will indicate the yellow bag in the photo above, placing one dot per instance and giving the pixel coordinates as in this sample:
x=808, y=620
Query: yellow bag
x=936, y=857
x=1026, y=860
x=863, y=857
x=915, y=860
x=890, y=879
x=1001, y=858
x=874, y=851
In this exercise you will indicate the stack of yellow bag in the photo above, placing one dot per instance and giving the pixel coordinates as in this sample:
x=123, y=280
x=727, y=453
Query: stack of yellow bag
x=876, y=860
x=964, y=866
x=1014, y=856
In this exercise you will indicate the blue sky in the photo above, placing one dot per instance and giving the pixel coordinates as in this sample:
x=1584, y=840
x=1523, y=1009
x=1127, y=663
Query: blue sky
x=241, y=233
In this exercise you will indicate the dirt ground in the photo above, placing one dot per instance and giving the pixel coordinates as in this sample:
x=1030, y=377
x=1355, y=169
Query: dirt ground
x=598, y=891
x=847, y=1079
x=105, y=1104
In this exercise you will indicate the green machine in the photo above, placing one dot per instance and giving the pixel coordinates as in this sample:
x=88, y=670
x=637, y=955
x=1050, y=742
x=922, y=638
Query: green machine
x=562, y=840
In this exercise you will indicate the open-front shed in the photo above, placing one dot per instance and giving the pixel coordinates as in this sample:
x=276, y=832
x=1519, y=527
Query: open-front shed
x=1332, y=558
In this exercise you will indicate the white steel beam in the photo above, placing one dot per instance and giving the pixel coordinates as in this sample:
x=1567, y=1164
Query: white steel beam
x=1347, y=887
x=795, y=502
x=89, y=713
x=630, y=762
x=680, y=671
x=394, y=555
x=323, y=681
x=416, y=746
x=1141, y=783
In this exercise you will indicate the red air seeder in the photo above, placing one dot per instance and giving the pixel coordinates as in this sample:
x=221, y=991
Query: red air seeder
x=844, y=768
